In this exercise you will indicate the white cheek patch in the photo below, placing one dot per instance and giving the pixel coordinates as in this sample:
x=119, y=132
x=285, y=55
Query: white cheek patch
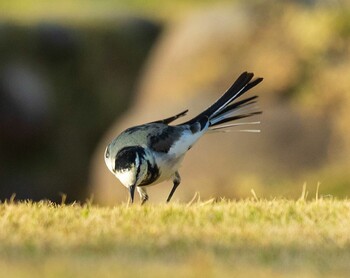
x=109, y=164
x=127, y=177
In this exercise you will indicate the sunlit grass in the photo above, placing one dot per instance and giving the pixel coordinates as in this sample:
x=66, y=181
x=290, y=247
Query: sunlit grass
x=269, y=237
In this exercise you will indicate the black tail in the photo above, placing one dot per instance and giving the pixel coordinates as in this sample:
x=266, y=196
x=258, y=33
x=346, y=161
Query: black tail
x=223, y=109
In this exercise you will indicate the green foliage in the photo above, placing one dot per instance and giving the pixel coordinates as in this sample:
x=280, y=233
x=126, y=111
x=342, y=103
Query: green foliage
x=91, y=10
x=265, y=237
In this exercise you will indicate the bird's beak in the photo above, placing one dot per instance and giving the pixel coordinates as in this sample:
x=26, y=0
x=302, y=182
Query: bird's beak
x=132, y=191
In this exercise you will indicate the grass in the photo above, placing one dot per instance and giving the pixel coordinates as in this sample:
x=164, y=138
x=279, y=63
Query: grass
x=249, y=237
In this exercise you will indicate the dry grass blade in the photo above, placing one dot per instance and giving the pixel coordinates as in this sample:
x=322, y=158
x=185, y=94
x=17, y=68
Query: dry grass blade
x=306, y=238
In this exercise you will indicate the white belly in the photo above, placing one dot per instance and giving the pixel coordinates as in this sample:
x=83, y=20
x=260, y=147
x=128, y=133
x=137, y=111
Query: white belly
x=168, y=167
x=169, y=163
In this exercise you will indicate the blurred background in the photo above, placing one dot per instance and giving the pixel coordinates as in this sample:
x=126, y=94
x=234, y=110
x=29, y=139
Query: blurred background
x=73, y=74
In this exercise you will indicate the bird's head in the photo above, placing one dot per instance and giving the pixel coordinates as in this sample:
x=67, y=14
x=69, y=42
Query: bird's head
x=128, y=165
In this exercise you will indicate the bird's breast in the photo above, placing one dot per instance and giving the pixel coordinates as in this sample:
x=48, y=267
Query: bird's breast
x=127, y=178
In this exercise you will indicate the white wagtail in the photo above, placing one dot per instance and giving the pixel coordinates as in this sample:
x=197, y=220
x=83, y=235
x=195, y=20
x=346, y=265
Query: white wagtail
x=148, y=154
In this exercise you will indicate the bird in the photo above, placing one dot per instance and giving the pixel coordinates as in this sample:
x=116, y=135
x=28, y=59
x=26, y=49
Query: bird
x=148, y=154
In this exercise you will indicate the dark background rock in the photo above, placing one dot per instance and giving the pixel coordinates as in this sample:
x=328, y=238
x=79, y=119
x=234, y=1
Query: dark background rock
x=60, y=88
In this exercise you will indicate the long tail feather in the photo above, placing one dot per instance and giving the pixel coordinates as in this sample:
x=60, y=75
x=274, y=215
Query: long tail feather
x=234, y=124
x=224, y=109
x=238, y=104
x=234, y=118
x=212, y=131
x=241, y=107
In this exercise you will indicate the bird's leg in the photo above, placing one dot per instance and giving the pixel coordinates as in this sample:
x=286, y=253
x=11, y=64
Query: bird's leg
x=143, y=194
x=176, y=182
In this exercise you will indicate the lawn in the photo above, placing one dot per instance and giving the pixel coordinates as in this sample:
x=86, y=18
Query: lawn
x=203, y=239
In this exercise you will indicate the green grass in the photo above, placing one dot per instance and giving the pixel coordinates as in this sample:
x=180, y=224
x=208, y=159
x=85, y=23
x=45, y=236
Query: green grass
x=250, y=237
